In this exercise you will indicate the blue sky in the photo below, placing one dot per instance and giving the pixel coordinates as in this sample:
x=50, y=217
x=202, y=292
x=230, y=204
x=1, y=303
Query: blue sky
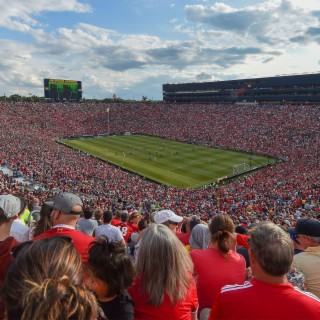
x=131, y=47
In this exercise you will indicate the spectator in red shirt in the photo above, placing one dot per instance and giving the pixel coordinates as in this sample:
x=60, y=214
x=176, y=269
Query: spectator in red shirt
x=164, y=287
x=125, y=229
x=116, y=220
x=134, y=218
x=268, y=295
x=218, y=265
x=67, y=208
x=10, y=207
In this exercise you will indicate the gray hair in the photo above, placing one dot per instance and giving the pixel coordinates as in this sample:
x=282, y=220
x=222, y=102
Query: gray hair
x=272, y=248
x=200, y=237
x=164, y=265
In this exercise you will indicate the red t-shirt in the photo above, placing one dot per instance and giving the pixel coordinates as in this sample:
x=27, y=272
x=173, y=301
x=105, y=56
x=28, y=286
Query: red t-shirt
x=126, y=231
x=133, y=226
x=5, y=260
x=115, y=222
x=180, y=311
x=214, y=271
x=242, y=240
x=80, y=240
x=261, y=300
x=183, y=237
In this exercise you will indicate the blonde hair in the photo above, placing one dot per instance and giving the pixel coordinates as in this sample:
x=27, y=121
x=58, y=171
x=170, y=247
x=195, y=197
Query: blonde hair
x=45, y=281
x=163, y=265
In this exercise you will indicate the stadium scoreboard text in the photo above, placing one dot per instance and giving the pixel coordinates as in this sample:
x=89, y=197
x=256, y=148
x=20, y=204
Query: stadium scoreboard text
x=56, y=89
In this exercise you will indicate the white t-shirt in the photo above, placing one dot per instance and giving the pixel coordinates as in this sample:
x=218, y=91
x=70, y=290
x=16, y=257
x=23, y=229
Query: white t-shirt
x=19, y=231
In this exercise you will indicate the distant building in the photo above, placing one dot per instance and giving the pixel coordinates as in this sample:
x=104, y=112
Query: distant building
x=303, y=88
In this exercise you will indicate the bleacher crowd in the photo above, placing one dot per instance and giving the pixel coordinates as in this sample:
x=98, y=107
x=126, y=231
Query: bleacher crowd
x=279, y=192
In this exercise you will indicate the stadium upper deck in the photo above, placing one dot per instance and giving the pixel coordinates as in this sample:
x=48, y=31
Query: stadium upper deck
x=304, y=88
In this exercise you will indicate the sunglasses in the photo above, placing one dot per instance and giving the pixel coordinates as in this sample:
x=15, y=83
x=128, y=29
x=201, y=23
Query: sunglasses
x=175, y=223
x=70, y=212
x=76, y=212
x=16, y=249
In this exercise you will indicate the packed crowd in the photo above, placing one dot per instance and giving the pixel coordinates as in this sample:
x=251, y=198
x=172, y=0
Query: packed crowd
x=282, y=192
x=78, y=267
x=73, y=227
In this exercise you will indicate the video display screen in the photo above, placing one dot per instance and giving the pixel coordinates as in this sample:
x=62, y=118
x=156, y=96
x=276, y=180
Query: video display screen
x=57, y=89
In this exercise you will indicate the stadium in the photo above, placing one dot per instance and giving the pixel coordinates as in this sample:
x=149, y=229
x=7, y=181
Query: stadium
x=159, y=160
x=90, y=152
x=297, y=88
x=287, y=132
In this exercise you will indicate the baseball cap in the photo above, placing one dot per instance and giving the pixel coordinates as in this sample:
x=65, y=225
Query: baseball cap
x=293, y=234
x=65, y=201
x=287, y=222
x=166, y=215
x=308, y=227
x=49, y=203
x=11, y=205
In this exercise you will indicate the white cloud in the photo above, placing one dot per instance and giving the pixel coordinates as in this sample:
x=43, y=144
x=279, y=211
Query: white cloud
x=271, y=22
x=20, y=15
x=219, y=42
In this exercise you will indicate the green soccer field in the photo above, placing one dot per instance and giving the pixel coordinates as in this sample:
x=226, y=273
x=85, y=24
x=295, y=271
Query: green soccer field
x=165, y=161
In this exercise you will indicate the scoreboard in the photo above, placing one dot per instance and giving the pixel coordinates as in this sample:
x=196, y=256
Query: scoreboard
x=59, y=90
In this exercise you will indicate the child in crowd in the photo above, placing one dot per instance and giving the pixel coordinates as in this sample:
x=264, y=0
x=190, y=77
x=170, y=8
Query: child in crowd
x=110, y=272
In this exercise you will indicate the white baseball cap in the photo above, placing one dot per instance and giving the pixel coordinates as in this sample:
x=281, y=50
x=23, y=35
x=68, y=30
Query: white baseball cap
x=166, y=215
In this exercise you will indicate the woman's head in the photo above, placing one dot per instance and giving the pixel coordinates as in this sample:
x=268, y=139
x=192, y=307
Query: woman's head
x=193, y=221
x=111, y=268
x=200, y=237
x=171, y=268
x=222, y=232
x=45, y=281
x=135, y=217
x=142, y=224
x=44, y=223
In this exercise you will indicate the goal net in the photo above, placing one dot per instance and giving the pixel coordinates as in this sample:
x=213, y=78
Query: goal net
x=240, y=168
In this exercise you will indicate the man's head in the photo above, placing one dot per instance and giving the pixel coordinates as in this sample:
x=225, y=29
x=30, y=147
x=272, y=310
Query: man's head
x=88, y=213
x=67, y=208
x=308, y=229
x=10, y=206
x=308, y=232
x=98, y=214
x=107, y=217
x=272, y=248
x=124, y=217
